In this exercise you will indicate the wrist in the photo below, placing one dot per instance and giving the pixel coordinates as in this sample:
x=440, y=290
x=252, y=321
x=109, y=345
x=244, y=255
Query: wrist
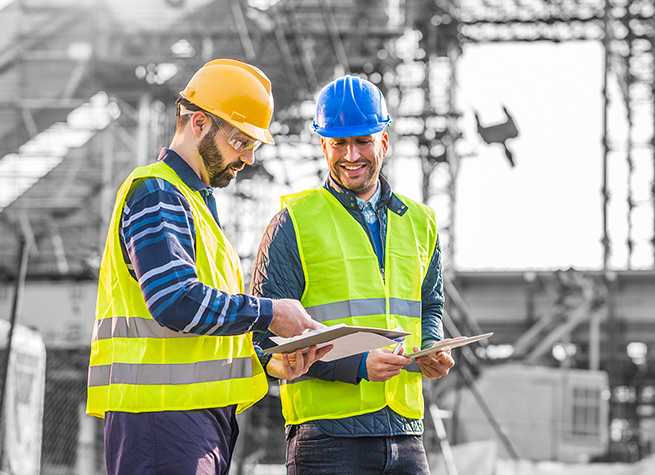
x=265, y=315
x=362, y=372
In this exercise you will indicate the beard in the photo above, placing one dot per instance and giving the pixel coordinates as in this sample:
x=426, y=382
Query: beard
x=218, y=171
x=359, y=185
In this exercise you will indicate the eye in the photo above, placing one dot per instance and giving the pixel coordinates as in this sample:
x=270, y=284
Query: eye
x=239, y=143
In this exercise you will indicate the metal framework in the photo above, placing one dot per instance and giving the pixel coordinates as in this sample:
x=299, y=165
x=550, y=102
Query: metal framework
x=58, y=57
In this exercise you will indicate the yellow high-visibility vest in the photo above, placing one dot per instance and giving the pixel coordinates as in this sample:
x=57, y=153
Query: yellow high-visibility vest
x=139, y=366
x=343, y=284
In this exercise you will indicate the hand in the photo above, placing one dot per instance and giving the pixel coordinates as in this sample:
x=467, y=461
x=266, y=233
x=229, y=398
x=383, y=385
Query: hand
x=293, y=365
x=291, y=319
x=435, y=365
x=382, y=365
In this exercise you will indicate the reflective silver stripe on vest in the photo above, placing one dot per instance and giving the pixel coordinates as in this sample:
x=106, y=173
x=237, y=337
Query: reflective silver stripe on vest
x=170, y=374
x=364, y=307
x=133, y=327
x=408, y=308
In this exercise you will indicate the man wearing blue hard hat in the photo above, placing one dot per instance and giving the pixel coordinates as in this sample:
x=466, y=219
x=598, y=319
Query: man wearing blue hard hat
x=354, y=252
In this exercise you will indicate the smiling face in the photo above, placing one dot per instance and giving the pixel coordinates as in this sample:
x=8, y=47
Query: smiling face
x=355, y=162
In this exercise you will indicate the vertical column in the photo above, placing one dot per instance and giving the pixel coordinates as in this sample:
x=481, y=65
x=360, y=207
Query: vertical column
x=605, y=144
x=143, y=137
x=85, y=460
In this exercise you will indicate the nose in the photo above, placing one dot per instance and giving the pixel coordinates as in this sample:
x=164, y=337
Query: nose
x=352, y=152
x=248, y=157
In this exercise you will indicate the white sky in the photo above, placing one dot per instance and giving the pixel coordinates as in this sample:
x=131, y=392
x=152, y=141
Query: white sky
x=547, y=211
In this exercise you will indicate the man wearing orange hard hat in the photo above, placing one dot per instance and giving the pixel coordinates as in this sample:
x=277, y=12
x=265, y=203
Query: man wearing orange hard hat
x=172, y=357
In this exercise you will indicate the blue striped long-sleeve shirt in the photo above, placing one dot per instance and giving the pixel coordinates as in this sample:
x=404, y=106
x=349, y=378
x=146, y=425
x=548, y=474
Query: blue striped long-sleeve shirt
x=158, y=241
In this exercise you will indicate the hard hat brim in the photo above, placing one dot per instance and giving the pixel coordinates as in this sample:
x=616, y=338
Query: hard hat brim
x=351, y=131
x=263, y=135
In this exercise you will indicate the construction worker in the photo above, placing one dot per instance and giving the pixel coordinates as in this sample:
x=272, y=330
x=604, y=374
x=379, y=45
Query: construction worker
x=354, y=252
x=172, y=358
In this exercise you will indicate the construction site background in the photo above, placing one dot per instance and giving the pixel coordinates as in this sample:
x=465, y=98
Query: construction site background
x=567, y=383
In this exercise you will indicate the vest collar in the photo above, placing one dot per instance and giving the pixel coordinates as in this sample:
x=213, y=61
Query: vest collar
x=348, y=199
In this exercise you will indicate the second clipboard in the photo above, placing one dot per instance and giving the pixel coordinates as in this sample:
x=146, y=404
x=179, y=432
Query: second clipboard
x=446, y=344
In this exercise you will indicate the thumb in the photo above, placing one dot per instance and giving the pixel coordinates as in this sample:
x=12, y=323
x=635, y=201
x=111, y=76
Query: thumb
x=314, y=325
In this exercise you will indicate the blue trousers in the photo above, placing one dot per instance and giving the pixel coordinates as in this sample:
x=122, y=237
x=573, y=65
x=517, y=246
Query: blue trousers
x=197, y=442
x=310, y=451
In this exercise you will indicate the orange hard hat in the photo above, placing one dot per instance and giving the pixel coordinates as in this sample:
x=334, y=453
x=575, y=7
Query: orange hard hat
x=237, y=93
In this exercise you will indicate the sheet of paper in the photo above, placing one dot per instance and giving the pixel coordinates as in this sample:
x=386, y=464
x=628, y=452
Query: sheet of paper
x=450, y=343
x=315, y=333
x=354, y=344
x=347, y=340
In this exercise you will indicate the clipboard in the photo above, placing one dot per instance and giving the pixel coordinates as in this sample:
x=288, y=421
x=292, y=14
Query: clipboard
x=446, y=344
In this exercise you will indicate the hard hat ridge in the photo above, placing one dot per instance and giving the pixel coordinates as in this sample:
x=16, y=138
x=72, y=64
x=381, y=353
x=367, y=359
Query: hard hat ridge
x=348, y=107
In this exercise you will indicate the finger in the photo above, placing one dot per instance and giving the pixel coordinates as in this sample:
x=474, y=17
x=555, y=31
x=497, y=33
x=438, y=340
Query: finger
x=300, y=362
x=445, y=359
x=311, y=353
x=433, y=362
x=314, y=325
x=286, y=366
x=308, y=359
x=426, y=371
x=439, y=370
x=391, y=374
x=399, y=361
x=429, y=372
x=323, y=351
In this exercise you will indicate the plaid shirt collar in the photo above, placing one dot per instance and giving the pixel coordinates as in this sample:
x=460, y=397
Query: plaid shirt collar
x=368, y=207
x=348, y=199
x=183, y=170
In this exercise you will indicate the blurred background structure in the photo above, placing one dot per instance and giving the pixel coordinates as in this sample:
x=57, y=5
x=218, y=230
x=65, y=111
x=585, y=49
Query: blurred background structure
x=86, y=93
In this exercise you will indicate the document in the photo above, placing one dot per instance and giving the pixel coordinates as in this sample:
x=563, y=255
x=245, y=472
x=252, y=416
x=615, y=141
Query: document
x=450, y=343
x=347, y=340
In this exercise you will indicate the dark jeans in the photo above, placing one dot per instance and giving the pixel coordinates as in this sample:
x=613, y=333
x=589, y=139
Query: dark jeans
x=310, y=451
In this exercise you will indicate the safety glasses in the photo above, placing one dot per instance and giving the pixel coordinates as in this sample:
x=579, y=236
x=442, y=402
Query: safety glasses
x=239, y=141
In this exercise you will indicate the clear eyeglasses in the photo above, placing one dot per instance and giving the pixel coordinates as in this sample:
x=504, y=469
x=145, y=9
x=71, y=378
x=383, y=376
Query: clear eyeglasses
x=239, y=141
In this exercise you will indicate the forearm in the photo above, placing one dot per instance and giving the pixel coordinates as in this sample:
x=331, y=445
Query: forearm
x=198, y=308
x=158, y=238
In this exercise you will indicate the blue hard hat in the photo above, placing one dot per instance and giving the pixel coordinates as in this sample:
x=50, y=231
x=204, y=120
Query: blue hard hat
x=349, y=107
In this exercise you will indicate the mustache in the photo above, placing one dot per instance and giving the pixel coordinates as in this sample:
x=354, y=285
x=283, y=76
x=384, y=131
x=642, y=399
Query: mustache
x=234, y=165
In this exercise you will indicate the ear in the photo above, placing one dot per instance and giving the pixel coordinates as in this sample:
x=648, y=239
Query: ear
x=199, y=122
x=384, y=144
x=324, y=146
